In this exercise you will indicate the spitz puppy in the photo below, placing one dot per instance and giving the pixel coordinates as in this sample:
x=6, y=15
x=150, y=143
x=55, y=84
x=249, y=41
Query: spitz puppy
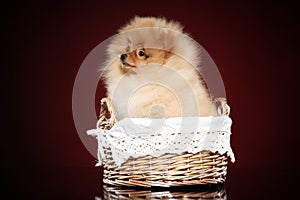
x=151, y=72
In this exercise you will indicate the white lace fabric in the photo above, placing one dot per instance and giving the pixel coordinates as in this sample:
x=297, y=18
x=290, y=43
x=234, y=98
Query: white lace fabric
x=139, y=137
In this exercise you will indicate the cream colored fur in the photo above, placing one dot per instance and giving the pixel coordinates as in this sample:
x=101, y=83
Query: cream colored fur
x=169, y=87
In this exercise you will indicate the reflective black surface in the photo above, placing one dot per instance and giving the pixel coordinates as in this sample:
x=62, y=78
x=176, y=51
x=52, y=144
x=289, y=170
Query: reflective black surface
x=85, y=183
x=184, y=192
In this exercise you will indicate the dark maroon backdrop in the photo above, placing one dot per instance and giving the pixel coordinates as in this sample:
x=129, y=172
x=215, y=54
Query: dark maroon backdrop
x=255, y=46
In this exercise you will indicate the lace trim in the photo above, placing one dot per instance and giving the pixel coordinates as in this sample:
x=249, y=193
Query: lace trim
x=138, y=137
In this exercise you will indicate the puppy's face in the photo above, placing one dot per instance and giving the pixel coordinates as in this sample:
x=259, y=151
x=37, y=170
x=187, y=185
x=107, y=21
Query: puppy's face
x=143, y=56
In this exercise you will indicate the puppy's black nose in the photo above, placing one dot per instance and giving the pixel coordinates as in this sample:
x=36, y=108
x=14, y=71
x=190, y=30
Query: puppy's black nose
x=123, y=57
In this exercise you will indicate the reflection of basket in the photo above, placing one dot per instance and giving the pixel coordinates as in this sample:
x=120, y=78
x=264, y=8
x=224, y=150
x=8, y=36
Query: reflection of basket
x=218, y=192
x=166, y=170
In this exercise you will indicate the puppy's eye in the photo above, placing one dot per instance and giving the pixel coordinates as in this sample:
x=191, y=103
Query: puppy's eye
x=141, y=53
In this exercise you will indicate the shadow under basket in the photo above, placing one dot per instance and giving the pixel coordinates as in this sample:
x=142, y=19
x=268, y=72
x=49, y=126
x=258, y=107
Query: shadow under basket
x=166, y=170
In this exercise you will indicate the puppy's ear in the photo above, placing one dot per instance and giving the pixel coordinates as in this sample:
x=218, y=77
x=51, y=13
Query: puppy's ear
x=167, y=39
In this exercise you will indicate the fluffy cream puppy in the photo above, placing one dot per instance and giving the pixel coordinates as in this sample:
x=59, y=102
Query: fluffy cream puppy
x=151, y=71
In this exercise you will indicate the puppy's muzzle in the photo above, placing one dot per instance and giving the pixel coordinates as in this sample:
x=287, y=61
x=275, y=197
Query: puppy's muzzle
x=123, y=61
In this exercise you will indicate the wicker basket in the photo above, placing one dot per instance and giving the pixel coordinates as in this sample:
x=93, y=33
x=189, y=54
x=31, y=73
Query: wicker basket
x=163, y=171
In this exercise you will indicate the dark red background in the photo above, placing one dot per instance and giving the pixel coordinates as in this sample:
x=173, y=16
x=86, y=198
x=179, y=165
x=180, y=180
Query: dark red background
x=255, y=46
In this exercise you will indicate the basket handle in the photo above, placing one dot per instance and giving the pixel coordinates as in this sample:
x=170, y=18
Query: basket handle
x=222, y=106
x=107, y=117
